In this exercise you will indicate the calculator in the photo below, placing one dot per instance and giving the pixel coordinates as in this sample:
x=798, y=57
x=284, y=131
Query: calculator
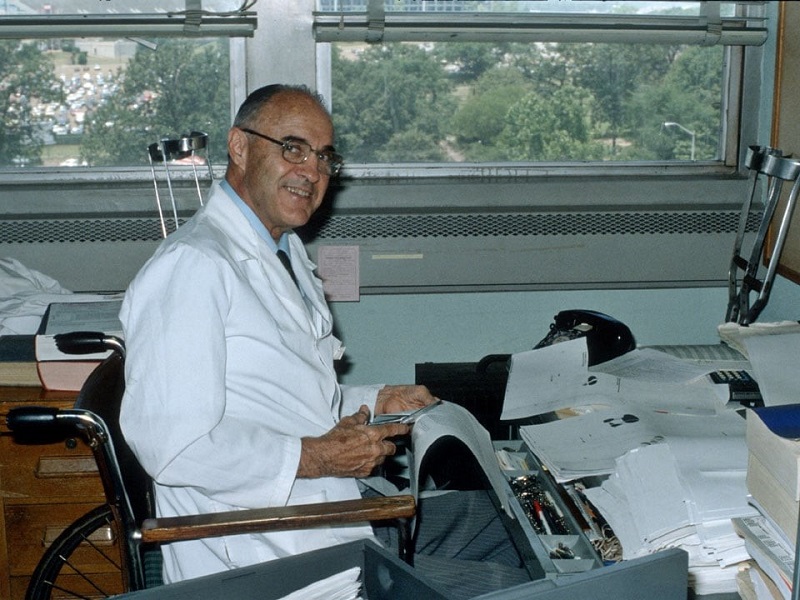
x=741, y=385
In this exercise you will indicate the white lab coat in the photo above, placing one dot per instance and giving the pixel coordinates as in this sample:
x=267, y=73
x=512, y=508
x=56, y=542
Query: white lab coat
x=227, y=368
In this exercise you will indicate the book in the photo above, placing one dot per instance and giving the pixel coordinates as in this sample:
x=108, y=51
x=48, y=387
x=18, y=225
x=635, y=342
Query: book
x=754, y=584
x=768, y=550
x=18, y=361
x=771, y=435
x=67, y=317
x=64, y=375
x=771, y=499
x=58, y=370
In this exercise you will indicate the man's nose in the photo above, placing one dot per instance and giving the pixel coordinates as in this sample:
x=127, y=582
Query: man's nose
x=311, y=167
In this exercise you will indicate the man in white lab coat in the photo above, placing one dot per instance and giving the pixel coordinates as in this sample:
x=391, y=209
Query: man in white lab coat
x=232, y=400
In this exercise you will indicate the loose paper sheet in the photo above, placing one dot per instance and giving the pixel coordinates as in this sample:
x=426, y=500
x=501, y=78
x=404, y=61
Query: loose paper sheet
x=589, y=444
x=775, y=366
x=557, y=377
x=449, y=419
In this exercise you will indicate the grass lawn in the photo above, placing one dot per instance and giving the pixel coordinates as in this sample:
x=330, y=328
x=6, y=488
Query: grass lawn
x=55, y=154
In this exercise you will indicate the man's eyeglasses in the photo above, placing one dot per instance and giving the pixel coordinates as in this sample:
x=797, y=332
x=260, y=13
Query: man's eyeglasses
x=297, y=152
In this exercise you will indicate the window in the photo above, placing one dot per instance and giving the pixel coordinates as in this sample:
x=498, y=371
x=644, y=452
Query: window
x=411, y=82
x=99, y=100
x=437, y=81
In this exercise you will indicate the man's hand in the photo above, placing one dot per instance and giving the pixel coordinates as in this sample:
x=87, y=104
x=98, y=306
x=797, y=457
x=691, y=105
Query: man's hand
x=397, y=398
x=351, y=449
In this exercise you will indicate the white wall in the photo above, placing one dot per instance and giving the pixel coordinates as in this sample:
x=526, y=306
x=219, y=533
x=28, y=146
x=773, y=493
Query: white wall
x=386, y=335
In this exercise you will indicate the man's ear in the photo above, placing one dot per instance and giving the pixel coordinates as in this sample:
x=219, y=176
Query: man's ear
x=237, y=146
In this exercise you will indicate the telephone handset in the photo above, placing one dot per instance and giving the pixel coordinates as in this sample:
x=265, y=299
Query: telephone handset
x=606, y=338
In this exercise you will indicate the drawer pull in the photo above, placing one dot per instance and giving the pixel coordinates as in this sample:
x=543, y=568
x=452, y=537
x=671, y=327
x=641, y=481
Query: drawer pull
x=66, y=466
x=101, y=537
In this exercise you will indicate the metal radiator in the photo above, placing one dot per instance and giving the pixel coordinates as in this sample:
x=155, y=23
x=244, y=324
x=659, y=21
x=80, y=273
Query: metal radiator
x=429, y=252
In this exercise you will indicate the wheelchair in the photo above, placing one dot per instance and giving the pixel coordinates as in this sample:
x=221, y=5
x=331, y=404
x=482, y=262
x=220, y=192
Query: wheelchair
x=124, y=531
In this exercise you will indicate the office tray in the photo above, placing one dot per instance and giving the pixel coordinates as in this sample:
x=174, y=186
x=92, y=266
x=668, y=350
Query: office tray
x=383, y=577
x=560, y=544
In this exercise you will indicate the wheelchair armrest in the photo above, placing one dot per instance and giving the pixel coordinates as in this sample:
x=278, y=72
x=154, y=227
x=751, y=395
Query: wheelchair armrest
x=281, y=518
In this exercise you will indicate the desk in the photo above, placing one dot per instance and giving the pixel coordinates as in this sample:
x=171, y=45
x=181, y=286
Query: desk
x=43, y=488
x=481, y=390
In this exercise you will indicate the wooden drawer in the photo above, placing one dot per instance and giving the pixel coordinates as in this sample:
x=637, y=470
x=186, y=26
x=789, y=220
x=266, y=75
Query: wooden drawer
x=59, y=470
x=31, y=528
x=32, y=396
x=43, y=488
x=110, y=583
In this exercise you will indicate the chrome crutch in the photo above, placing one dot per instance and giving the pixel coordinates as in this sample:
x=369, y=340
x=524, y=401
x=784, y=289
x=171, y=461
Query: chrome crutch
x=178, y=151
x=771, y=163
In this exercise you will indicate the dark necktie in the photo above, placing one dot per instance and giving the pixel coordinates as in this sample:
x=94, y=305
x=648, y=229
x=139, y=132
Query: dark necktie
x=284, y=258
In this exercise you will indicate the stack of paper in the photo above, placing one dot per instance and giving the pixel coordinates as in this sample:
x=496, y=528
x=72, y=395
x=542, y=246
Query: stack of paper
x=590, y=443
x=772, y=555
x=736, y=336
x=341, y=586
x=773, y=469
x=651, y=504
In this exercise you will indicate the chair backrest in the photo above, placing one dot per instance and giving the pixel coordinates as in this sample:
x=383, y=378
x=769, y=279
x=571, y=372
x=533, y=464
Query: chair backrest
x=128, y=488
x=102, y=395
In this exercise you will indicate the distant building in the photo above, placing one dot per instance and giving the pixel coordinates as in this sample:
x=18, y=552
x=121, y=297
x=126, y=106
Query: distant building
x=399, y=5
x=105, y=48
x=15, y=7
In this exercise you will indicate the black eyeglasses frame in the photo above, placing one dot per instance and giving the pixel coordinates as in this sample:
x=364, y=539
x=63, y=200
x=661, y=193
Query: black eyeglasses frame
x=328, y=162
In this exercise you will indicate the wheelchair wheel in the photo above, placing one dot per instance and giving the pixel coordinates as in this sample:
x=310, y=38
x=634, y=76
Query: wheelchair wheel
x=82, y=562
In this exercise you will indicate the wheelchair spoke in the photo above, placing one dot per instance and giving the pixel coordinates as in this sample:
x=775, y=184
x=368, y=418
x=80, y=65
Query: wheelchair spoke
x=83, y=576
x=71, y=567
x=69, y=592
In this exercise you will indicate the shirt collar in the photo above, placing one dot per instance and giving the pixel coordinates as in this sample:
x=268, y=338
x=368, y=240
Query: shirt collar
x=255, y=222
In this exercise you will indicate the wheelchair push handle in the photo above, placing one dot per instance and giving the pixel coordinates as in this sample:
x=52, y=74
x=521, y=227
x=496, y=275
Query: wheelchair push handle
x=88, y=342
x=40, y=424
x=46, y=424
x=32, y=418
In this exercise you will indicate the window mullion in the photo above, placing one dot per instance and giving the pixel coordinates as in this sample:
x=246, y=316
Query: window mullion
x=376, y=20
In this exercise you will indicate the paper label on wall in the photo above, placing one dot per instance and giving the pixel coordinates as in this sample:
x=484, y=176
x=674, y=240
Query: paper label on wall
x=339, y=269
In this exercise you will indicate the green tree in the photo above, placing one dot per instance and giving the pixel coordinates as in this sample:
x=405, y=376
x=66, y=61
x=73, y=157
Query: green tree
x=543, y=65
x=558, y=127
x=26, y=81
x=612, y=73
x=386, y=96
x=181, y=87
x=411, y=145
x=472, y=59
x=481, y=118
x=690, y=94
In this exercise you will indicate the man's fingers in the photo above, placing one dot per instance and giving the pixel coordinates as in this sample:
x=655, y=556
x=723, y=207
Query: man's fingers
x=390, y=430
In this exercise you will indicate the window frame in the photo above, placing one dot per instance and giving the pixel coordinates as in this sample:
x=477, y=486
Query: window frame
x=192, y=21
x=709, y=27
x=284, y=25
x=742, y=80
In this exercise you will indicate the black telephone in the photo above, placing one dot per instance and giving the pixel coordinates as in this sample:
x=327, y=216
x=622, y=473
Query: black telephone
x=606, y=338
